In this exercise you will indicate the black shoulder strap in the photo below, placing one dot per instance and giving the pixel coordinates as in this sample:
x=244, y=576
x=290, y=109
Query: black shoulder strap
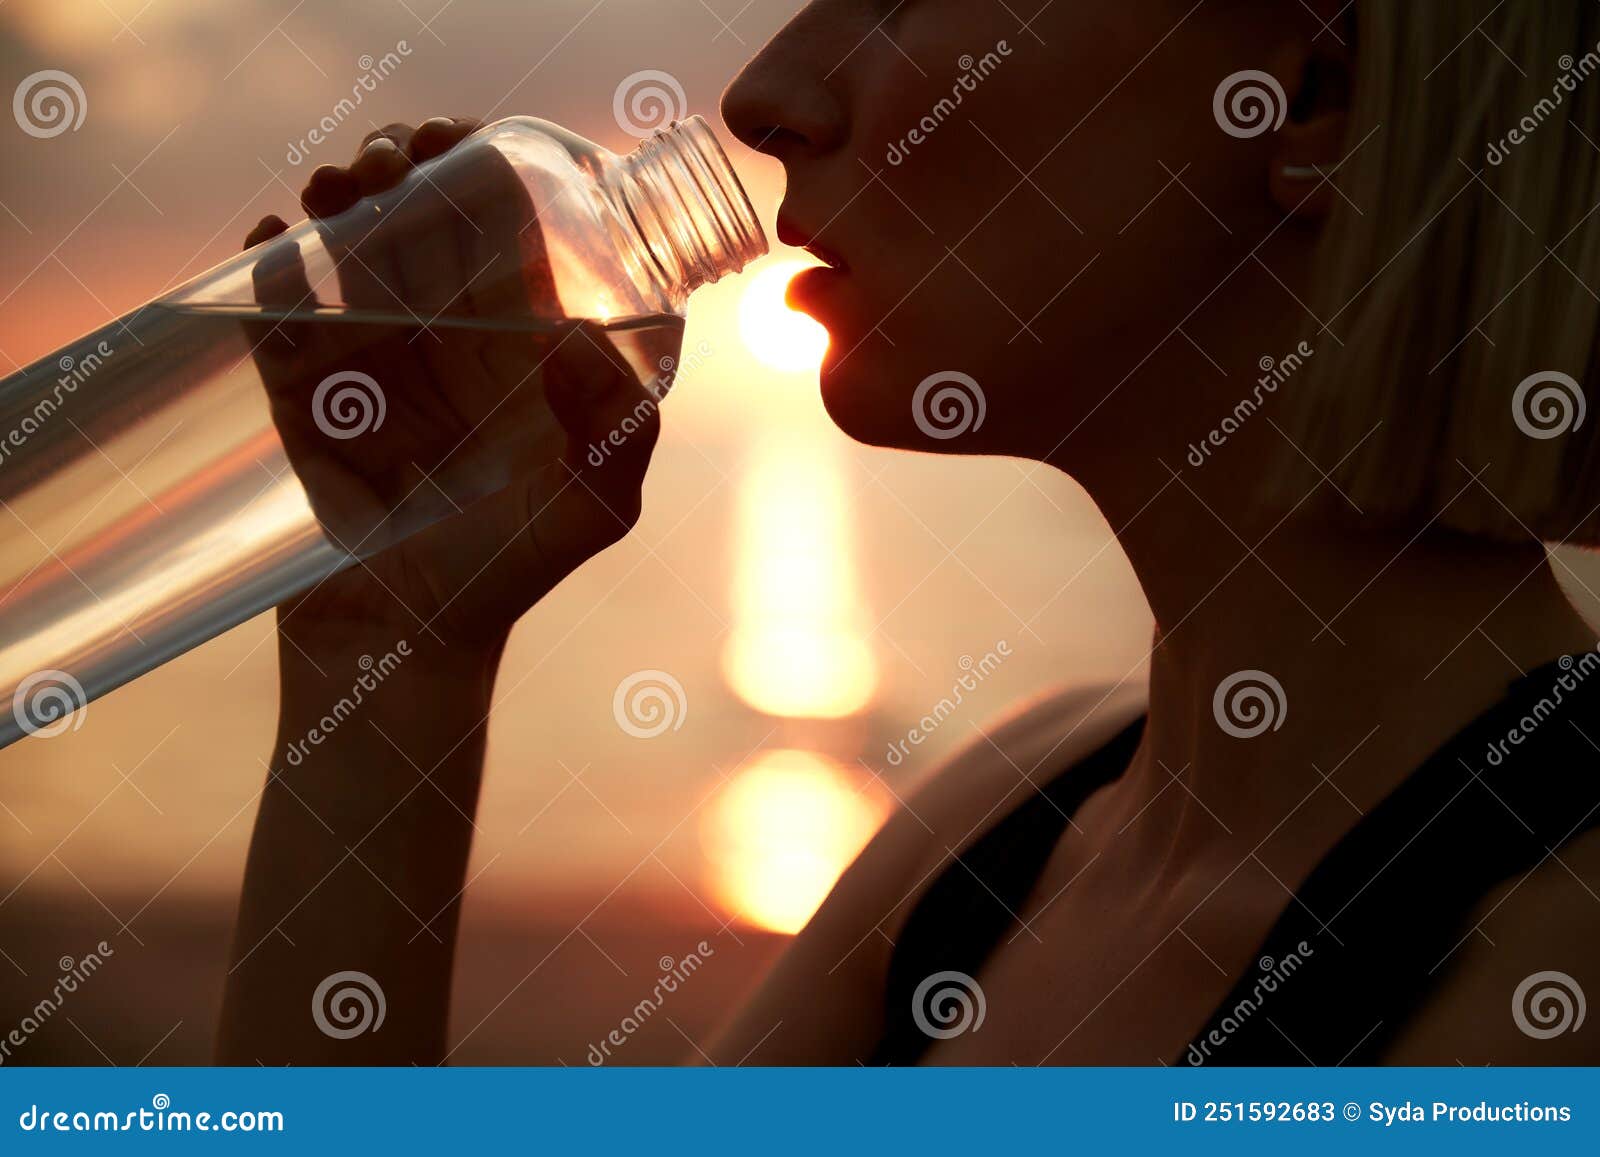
x=965, y=911
x=1376, y=924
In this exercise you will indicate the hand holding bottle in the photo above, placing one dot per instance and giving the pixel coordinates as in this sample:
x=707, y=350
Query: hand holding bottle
x=458, y=401
x=626, y=240
x=405, y=359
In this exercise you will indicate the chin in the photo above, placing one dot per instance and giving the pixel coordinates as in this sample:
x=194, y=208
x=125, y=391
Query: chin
x=872, y=399
x=864, y=398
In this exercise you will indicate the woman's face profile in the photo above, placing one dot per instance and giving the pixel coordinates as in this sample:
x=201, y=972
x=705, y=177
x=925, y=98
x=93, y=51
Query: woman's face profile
x=1036, y=206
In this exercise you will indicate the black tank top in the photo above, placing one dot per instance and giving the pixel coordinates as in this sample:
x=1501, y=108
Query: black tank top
x=1373, y=927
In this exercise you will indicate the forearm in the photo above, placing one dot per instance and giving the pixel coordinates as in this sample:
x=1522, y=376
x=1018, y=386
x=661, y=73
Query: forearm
x=360, y=850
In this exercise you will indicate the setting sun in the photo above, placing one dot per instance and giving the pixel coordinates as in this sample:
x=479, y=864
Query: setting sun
x=781, y=338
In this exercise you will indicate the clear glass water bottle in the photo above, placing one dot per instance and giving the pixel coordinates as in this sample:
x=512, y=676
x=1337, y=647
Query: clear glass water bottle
x=331, y=391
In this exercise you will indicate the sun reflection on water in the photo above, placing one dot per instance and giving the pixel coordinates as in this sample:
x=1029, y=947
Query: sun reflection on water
x=798, y=647
x=782, y=831
x=790, y=821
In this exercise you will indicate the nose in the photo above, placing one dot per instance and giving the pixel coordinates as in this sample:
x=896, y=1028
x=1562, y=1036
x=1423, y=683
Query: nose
x=781, y=103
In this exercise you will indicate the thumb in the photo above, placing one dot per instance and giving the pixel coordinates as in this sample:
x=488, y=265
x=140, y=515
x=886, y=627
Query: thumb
x=612, y=419
x=280, y=283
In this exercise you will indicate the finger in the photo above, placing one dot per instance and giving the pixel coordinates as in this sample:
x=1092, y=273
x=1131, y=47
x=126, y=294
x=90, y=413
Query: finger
x=330, y=191
x=586, y=365
x=279, y=274
x=365, y=256
x=421, y=232
x=279, y=280
x=432, y=281
x=626, y=426
x=502, y=246
x=611, y=419
x=397, y=132
x=438, y=135
x=285, y=345
x=380, y=166
x=512, y=408
x=266, y=228
x=417, y=239
x=370, y=278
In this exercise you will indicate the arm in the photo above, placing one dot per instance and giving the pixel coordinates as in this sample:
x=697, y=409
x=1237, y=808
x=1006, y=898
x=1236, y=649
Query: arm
x=362, y=840
x=360, y=850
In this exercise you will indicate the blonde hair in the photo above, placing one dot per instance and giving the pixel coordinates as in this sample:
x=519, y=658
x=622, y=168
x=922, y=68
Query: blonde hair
x=1462, y=282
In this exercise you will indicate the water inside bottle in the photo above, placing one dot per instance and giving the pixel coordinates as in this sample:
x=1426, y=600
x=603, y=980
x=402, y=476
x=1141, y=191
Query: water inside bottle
x=244, y=455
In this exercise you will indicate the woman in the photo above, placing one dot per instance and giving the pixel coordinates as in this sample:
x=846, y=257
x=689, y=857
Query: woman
x=1306, y=353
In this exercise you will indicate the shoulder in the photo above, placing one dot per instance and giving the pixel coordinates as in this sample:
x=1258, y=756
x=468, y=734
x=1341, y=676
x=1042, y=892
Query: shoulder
x=1515, y=990
x=822, y=1002
x=1002, y=765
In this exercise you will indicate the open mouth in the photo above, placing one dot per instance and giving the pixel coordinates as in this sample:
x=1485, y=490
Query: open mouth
x=827, y=256
x=821, y=291
x=792, y=234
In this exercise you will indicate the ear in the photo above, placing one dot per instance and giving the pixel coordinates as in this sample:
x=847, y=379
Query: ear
x=1316, y=76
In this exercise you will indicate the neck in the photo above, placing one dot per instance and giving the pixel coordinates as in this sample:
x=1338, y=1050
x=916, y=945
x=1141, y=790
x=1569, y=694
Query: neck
x=1383, y=645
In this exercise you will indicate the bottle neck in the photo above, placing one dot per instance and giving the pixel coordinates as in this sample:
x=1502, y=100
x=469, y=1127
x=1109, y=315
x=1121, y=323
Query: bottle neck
x=688, y=207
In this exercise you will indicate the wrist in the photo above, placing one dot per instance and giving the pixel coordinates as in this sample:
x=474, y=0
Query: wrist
x=353, y=689
x=315, y=640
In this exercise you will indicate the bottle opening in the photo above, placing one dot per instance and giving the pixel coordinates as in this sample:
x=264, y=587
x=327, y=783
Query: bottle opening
x=694, y=214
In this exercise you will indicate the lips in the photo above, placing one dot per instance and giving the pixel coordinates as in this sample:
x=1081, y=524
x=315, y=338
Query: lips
x=791, y=233
x=810, y=289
